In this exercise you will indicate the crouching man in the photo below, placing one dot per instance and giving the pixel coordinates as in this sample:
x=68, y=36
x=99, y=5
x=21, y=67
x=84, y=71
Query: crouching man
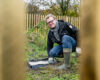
x=65, y=35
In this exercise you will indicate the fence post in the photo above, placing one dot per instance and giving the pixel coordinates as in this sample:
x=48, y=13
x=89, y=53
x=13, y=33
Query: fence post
x=90, y=40
x=12, y=40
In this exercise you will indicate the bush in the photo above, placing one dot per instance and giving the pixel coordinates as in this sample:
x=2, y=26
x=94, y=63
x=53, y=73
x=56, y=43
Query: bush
x=37, y=40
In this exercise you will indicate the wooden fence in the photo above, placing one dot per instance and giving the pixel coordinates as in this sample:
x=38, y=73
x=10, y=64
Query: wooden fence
x=33, y=19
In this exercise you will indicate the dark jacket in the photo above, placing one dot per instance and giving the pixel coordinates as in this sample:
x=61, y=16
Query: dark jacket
x=65, y=28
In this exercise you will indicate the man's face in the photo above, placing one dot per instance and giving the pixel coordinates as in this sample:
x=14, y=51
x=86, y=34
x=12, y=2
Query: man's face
x=51, y=22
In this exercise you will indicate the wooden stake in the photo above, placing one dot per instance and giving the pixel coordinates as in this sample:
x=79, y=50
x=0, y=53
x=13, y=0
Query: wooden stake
x=90, y=27
x=12, y=40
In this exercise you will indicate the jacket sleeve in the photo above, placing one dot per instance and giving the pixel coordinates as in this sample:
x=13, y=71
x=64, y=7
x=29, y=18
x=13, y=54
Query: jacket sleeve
x=49, y=44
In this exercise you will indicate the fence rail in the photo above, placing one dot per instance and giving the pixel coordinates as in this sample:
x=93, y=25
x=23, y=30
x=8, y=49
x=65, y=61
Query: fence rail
x=33, y=19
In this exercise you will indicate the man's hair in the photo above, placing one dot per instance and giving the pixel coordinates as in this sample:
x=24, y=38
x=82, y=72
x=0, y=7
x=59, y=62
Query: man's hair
x=49, y=15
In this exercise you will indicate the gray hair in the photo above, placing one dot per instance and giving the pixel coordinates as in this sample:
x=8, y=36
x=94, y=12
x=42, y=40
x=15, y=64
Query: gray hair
x=50, y=15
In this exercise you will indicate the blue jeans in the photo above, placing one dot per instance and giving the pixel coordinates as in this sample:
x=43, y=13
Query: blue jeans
x=67, y=42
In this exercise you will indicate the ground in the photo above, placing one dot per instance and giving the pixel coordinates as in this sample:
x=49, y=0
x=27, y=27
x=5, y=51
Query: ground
x=50, y=73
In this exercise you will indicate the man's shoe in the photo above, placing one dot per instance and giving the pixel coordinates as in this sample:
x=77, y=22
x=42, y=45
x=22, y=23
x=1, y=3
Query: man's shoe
x=52, y=60
x=62, y=67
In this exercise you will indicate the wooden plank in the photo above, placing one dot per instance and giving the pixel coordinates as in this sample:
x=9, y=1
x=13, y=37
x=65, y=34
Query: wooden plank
x=98, y=39
x=90, y=40
x=66, y=19
x=27, y=22
x=32, y=20
x=12, y=40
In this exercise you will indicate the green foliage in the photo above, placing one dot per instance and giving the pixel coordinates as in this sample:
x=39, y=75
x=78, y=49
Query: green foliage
x=37, y=41
x=50, y=74
x=71, y=77
x=30, y=8
x=64, y=7
x=67, y=77
x=39, y=34
x=29, y=76
x=72, y=13
x=74, y=61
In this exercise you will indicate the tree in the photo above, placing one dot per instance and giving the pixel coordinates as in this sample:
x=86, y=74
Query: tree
x=69, y=7
x=32, y=8
x=60, y=7
x=64, y=5
x=40, y=3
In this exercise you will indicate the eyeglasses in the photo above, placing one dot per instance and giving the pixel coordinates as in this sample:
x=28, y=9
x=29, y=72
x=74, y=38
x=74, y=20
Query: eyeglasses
x=50, y=21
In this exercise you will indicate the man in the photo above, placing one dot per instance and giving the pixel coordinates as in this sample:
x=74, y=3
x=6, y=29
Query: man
x=65, y=35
